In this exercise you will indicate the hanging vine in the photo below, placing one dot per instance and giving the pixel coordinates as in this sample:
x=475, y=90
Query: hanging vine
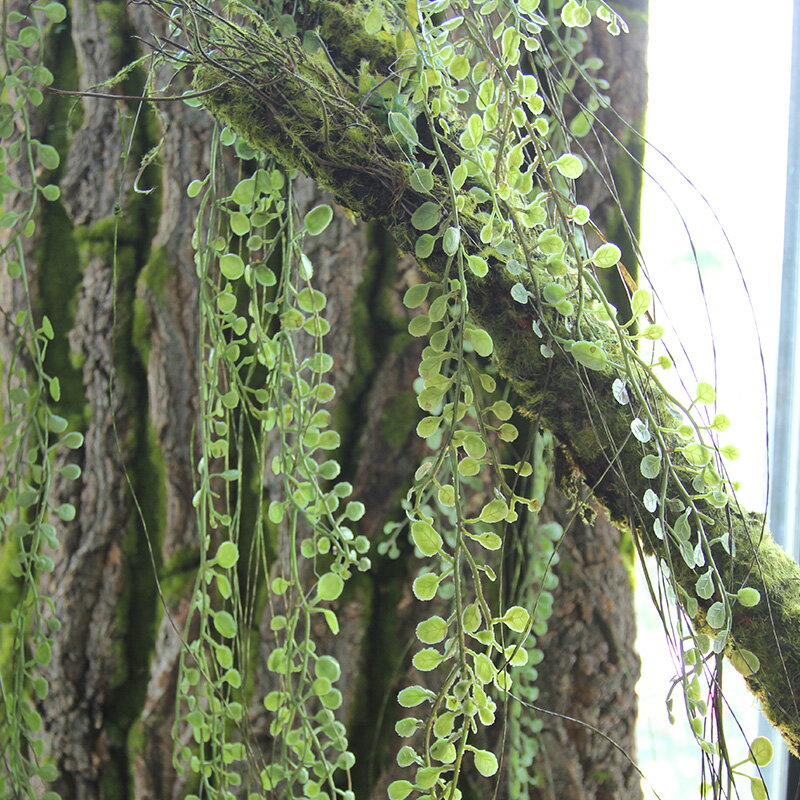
x=445, y=120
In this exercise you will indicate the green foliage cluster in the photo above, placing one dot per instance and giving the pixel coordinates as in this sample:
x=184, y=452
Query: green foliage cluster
x=33, y=435
x=464, y=152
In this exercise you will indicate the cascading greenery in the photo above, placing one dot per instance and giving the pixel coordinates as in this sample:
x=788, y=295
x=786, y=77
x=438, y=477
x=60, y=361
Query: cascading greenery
x=452, y=112
x=32, y=434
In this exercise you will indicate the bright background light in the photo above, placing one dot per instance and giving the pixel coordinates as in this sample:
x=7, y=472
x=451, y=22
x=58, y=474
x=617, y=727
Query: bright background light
x=718, y=109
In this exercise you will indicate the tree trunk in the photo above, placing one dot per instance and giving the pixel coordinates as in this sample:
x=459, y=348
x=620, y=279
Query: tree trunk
x=114, y=270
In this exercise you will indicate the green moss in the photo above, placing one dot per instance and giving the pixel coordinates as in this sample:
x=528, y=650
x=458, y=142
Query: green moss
x=341, y=26
x=179, y=572
x=374, y=714
x=153, y=278
x=60, y=273
x=399, y=419
x=377, y=331
x=115, y=25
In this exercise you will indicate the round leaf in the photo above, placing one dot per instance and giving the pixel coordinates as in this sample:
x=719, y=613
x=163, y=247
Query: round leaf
x=330, y=586
x=227, y=555
x=432, y=630
x=570, y=166
x=225, y=624
x=761, y=751
x=231, y=266
x=516, y=618
x=426, y=216
x=427, y=659
x=485, y=762
x=607, y=255
x=318, y=219
x=589, y=355
x=426, y=538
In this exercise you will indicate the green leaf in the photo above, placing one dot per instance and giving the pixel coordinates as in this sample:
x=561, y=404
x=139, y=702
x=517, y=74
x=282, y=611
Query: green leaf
x=589, y=354
x=332, y=620
x=427, y=659
x=553, y=293
x=748, y=596
x=240, y=223
x=729, y=452
x=516, y=618
x=650, y=466
x=715, y=616
x=48, y=156
x=475, y=128
x=757, y=789
x=73, y=440
x=227, y=555
x=330, y=586
x=474, y=445
x=413, y=695
x=469, y=466
x=55, y=12
x=471, y=618
x=452, y=238
x=432, y=630
x=402, y=125
x=705, y=393
x=231, y=266
x=225, y=624
x=426, y=538
x=494, y=511
x=51, y=192
x=696, y=454
x=745, y=662
x=570, y=166
x=428, y=426
x=374, y=23
x=721, y=423
x=416, y=295
x=761, y=751
x=704, y=588
x=607, y=255
x=491, y=541
x=311, y=300
x=426, y=216
x=653, y=332
x=426, y=586
x=328, y=667
x=318, y=219
x=459, y=67
x=421, y=180
x=640, y=302
x=420, y=325
x=399, y=790
x=245, y=192
x=581, y=17
x=407, y=726
x=520, y=293
x=581, y=123
x=477, y=266
x=485, y=762
x=423, y=247
x=550, y=242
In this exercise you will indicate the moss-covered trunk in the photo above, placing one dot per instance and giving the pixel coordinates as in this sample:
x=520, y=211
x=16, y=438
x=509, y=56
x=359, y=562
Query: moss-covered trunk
x=114, y=270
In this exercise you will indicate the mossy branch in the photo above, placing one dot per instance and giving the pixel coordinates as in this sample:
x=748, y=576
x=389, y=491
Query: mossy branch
x=302, y=109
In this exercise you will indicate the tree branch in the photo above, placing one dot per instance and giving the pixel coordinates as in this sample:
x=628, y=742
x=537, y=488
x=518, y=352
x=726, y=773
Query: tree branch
x=298, y=107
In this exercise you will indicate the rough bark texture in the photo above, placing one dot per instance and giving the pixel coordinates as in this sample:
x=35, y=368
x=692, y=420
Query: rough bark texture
x=589, y=663
x=130, y=373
